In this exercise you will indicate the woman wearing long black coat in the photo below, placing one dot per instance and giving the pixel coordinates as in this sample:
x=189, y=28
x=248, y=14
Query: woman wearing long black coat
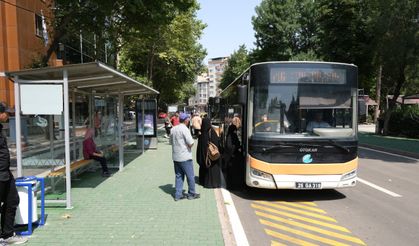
x=233, y=160
x=209, y=177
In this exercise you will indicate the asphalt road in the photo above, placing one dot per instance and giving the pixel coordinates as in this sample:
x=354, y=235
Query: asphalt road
x=383, y=209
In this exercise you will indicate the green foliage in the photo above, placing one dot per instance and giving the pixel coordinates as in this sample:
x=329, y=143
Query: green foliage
x=169, y=57
x=284, y=28
x=156, y=40
x=237, y=63
x=404, y=122
x=113, y=23
x=345, y=34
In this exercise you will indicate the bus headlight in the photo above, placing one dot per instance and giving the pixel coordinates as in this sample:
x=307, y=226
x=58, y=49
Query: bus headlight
x=260, y=174
x=349, y=175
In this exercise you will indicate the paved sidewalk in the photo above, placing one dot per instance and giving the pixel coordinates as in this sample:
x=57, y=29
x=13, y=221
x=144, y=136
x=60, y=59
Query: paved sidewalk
x=402, y=146
x=133, y=207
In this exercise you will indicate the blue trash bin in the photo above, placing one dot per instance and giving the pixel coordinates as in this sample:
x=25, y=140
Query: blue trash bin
x=26, y=213
x=26, y=194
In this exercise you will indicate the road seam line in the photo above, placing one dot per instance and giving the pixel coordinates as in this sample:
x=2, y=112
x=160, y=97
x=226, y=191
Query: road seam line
x=236, y=225
x=388, y=153
x=388, y=192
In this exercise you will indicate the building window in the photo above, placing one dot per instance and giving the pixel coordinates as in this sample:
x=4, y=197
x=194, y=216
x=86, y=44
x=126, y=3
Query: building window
x=38, y=25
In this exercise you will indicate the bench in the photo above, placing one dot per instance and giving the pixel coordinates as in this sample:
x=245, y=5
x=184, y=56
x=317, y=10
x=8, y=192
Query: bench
x=76, y=168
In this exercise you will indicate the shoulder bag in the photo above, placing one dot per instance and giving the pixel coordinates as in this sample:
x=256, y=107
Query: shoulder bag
x=213, y=153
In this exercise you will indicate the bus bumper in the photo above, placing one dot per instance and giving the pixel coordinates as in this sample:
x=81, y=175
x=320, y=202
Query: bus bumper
x=325, y=181
x=313, y=176
x=258, y=179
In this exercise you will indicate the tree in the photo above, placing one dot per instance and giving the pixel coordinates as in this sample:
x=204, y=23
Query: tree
x=237, y=64
x=70, y=18
x=396, y=28
x=284, y=28
x=169, y=57
x=112, y=22
x=345, y=35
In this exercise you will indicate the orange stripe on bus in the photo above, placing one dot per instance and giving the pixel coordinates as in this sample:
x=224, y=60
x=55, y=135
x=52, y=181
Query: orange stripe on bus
x=304, y=169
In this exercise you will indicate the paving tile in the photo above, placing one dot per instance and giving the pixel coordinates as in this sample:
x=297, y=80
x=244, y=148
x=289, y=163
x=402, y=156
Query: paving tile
x=133, y=207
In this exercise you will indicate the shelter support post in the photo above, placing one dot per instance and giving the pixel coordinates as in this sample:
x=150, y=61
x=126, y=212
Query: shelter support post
x=67, y=140
x=143, y=118
x=73, y=118
x=51, y=135
x=120, y=132
x=18, y=128
x=90, y=110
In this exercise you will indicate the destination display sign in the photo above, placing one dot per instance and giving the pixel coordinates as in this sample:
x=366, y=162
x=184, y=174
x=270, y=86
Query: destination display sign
x=308, y=75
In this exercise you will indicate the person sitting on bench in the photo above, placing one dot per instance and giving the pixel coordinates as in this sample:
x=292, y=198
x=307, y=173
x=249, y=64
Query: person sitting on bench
x=90, y=151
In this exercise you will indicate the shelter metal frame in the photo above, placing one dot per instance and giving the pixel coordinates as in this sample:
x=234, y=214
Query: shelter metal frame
x=87, y=78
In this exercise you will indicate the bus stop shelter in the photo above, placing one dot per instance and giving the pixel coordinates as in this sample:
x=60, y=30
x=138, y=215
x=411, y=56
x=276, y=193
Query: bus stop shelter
x=47, y=91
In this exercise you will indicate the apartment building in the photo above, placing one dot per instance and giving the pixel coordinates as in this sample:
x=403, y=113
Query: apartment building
x=216, y=67
x=23, y=39
x=207, y=84
x=200, y=100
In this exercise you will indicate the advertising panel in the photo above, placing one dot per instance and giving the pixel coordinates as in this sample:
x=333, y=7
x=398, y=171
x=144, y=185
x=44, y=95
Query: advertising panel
x=149, y=128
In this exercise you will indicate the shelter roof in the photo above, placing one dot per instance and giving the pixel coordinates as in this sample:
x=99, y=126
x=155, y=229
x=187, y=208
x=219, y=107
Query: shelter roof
x=87, y=77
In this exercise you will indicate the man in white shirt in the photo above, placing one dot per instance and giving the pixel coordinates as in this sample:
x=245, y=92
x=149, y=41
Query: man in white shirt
x=317, y=122
x=182, y=142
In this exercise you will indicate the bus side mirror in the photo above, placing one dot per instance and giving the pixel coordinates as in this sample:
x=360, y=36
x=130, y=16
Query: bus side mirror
x=242, y=94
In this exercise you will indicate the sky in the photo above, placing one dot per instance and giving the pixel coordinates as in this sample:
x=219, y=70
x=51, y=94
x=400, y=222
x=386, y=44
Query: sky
x=229, y=25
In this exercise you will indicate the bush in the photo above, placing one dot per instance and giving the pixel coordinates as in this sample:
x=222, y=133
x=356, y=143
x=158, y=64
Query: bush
x=404, y=122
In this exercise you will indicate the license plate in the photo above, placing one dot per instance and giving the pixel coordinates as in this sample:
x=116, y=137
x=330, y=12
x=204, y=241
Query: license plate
x=306, y=185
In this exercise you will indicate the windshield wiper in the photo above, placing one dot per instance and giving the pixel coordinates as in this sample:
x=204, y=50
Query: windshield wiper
x=339, y=146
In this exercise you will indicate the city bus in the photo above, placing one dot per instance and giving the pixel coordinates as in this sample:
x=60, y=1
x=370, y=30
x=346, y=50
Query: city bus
x=298, y=124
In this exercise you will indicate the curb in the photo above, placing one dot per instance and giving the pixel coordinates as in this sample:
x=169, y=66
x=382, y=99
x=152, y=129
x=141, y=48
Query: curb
x=393, y=151
x=226, y=228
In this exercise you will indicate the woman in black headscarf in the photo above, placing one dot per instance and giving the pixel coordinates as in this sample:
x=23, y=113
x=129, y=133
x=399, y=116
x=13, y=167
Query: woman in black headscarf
x=209, y=177
x=232, y=157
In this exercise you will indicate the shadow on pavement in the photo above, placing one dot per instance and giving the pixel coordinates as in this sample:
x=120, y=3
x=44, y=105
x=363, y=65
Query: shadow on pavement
x=288, y=195
x=89, y=179
x=168, y=189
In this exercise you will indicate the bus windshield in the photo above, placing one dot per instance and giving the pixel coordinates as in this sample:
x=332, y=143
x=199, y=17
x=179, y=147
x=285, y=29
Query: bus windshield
x=307, y=110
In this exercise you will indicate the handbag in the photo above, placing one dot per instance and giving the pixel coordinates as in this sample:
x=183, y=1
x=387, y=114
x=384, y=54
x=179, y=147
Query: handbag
x=213, y=153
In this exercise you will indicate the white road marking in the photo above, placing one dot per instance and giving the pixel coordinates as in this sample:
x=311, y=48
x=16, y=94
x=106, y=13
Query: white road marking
x=379, y=188
x=236, y=224
x=380, y=151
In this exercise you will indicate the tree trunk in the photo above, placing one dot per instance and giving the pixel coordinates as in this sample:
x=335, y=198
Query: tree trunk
x=378, y=99
x=392, y=103
x=150, y=62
